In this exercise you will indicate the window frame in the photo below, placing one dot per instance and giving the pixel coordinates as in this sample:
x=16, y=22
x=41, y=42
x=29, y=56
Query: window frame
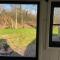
x=53, y=43
x=37, y=29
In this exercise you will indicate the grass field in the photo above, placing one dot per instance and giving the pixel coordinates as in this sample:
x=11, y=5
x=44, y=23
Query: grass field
x=55, y=30
x=18, y=38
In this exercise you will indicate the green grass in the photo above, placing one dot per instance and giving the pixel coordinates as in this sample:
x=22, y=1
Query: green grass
x=55, y=30
x=19, y=37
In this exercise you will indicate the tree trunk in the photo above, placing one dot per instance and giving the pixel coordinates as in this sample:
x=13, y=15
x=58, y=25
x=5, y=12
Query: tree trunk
x=16, y=19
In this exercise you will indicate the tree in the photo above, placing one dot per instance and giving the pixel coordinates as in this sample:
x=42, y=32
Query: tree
x=16, y=6
x=22, y=21
x=16, y=17
x=14, y=9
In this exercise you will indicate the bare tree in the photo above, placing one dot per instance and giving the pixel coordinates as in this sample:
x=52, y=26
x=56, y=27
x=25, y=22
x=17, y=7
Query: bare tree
x=16, y=18
x=22, y=21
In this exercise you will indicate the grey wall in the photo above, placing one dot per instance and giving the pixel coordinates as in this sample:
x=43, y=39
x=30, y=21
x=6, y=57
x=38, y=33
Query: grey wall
x=46, y=52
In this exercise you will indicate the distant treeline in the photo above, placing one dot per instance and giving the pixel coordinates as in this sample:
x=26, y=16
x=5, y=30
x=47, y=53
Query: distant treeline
x=17, y=18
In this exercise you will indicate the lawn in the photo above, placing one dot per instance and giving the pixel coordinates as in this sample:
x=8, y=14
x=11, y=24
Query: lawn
x=18, y=38
x=55, y=30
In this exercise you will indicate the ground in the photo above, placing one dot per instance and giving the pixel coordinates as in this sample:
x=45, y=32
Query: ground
x=18, y=39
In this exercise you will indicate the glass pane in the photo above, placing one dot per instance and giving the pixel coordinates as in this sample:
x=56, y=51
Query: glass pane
x=56, y=17
x=56, y=33
x=18, y=30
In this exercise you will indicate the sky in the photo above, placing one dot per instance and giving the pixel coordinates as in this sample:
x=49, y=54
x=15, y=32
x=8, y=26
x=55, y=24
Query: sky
x=56, y=11
x=29, y=7
x=32, y=8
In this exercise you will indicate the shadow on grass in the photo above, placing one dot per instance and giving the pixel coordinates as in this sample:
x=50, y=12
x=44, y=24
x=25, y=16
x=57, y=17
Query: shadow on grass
x=31, y=49
x=5, y=50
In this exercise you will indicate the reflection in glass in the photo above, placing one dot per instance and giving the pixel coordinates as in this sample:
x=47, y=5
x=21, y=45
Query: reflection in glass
x=56, y=25
x=56, y=17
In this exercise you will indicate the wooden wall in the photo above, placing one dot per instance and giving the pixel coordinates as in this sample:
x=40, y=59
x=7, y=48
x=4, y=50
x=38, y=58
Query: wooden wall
x=46, y=52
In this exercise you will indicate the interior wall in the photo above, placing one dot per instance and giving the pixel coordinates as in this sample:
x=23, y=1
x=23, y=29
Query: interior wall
x=43, y=14
x=46, y=52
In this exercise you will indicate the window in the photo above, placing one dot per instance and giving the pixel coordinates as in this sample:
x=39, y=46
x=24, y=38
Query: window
x=54, y=37
x=19, y=29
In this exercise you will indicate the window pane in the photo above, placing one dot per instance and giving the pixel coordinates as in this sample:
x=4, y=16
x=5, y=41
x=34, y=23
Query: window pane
x=56, y=17
x=56, y=33
x=18, y=30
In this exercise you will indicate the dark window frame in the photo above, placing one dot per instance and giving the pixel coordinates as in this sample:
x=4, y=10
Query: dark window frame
x=37, y=29
x=53, y=43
